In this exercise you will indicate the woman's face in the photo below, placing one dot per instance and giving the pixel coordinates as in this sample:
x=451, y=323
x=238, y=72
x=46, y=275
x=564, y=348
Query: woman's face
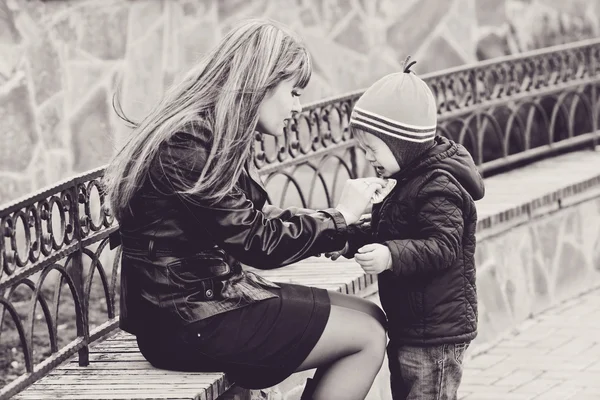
x=277, y=108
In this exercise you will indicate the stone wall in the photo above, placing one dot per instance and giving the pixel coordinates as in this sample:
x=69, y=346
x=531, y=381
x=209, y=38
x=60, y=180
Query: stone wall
x=61, y=61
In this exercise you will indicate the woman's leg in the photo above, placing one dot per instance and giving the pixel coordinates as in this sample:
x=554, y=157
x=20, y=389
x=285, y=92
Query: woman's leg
x=359, y=304
x=354, y=303
x=349, y=353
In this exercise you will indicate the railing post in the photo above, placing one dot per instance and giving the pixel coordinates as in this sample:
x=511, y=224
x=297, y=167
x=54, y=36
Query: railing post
x=593, y=74
x=353, y=162
x=476, y=100
x=353, y=150
x=76, y=273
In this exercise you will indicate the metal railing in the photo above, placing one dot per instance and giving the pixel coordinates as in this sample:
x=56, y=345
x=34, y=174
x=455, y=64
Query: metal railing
x=56, y=265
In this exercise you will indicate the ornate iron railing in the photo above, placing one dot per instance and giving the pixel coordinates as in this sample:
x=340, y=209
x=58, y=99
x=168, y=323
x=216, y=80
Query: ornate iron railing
x=506, y=112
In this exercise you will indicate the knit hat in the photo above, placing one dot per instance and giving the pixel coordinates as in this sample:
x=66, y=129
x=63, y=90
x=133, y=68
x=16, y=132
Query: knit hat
x=400, y=110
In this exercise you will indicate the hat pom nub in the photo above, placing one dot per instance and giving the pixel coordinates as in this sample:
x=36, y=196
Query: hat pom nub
x=407, y=65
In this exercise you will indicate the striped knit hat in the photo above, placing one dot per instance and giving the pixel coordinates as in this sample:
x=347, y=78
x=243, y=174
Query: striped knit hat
x=400, y=110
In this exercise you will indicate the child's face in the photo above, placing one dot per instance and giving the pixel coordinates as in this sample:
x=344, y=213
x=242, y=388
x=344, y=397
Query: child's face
x=378, y=154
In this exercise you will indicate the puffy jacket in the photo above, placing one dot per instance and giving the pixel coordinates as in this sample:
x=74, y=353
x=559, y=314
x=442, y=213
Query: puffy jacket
x=428, y=221
x=182, y=255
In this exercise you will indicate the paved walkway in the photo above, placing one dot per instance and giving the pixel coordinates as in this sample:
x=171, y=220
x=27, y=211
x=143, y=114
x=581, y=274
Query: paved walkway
x=555, y=356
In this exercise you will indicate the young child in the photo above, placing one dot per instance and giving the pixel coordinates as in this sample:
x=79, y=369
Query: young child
x=421, y=240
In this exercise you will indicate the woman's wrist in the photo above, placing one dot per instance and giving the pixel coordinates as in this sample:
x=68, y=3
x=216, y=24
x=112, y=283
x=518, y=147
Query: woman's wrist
x=348, y=216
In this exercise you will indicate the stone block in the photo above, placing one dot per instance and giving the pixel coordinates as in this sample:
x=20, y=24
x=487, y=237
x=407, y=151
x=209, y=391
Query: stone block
x=104, y=30
x=572, y=227
x=40, y=12
x=573, y=7
x=572, y=268
x=46, y=67
x=143, y=76
x=284, y=11
x=545, y=241
x=145, y=15
x=409, y=31
x=12, y=188
x=438, y=55
x=381, y=61
x=196, y=8
x=308, y=17
x=491, y=44
x=10, y=40
x=66, y=32
x=91, y=133
x=82, y=78
x=344, y=69
x=333, y=11
x=354, y=35
x=234, y=10
x=495, y=315
x=490, y=12
x=191, y=48
x=461, y=26
x=18, y=131
x=8, y=31
x=60, y=166
x=50, y=118
x=536, y=25
x=38, y=167
x=318, y=88
x=540, y=284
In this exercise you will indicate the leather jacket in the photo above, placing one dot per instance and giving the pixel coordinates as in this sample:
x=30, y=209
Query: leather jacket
x=182, y=256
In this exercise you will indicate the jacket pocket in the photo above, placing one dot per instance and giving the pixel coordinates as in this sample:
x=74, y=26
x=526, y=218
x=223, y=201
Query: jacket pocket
x=459, y=351
x=415, y=303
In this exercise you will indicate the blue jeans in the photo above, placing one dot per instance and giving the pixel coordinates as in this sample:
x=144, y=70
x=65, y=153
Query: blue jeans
x=426, y=373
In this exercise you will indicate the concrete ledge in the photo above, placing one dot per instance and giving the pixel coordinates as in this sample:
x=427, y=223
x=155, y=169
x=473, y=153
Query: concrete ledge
x=518, y=196
x=538, y=241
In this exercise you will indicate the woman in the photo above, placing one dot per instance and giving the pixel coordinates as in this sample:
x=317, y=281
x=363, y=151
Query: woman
x=190, y=210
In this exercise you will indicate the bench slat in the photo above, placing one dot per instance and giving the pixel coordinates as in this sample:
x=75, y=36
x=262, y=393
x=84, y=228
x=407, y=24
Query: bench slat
x=134, y=394
x=116, y=372
x=114, y=357
x=93, y=379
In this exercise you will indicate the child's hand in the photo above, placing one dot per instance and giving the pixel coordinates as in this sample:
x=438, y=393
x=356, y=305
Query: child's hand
x=374, y=258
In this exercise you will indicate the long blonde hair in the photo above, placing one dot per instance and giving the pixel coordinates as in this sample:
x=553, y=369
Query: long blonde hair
x=223, y=92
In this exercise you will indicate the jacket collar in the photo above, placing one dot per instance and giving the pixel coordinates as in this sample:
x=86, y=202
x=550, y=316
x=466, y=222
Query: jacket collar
x=253, y=174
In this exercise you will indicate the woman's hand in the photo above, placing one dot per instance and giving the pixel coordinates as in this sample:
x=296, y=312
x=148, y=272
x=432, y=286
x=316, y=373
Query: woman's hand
x=356, y=197
x=334, y=255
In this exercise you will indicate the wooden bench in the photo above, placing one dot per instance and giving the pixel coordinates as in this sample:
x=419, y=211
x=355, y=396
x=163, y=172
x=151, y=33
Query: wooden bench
x=117, y=369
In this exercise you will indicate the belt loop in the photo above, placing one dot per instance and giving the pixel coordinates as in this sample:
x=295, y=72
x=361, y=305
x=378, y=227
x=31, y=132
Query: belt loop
x=151, y=250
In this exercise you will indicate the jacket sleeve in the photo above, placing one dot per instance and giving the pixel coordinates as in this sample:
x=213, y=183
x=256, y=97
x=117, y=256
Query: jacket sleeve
x=272, y=211
x=437, y=242
x=238, y=227
x=358, y=236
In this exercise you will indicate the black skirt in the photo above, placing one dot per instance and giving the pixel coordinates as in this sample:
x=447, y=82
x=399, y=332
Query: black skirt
x=258, y=346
